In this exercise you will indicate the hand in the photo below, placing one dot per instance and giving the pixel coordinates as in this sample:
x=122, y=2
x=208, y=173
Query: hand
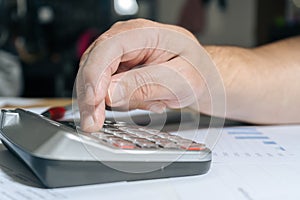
x=142, y=64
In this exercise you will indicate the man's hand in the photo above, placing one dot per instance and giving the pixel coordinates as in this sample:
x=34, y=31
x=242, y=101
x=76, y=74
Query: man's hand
x=142, y=64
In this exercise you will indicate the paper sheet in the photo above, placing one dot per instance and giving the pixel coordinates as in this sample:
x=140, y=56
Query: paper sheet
x=257, y=177
x=258, y=144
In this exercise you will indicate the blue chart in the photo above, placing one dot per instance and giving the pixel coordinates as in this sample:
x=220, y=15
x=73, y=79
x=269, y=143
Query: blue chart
x=248, y=142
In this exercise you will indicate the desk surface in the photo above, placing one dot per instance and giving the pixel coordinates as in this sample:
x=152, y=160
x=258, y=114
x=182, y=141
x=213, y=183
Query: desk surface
x=257, y=163
x=53, y=102
x=33, y=102
x=239, y=172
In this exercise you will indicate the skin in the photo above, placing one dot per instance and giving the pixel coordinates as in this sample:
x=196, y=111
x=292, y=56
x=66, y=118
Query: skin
x=262, y=84
x=129, y=66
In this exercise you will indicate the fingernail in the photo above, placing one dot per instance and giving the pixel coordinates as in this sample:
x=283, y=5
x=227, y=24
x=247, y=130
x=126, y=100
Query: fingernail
x=157, y=107
x=87, y=121
x=116, y=94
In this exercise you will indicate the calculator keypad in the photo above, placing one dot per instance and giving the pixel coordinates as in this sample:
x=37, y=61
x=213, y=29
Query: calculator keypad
x=123, y=136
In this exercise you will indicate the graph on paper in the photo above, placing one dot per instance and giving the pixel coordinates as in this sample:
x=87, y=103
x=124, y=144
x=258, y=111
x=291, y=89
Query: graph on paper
x=249, y=143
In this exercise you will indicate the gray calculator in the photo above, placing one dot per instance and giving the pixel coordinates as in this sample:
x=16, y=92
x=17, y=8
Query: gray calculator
x=60, y=154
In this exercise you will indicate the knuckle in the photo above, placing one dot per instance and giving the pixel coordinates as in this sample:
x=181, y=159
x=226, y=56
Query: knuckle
x=121, y=26
x=143, y=82
x=132, y=23
x=139, y=21
x=117, y=24
x=102, y=37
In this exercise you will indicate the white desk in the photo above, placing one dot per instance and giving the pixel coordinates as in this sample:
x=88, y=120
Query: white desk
x=264, y=167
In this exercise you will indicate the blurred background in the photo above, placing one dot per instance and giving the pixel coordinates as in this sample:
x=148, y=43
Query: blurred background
x=41, y=41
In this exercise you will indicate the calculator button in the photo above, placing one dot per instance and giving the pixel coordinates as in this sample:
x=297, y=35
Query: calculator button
x=132, y=130
x=148, y=130
x=170, y=145
x=192, y=146
x=100, y=135
x=120, y=124
x=106, y=126
x=109, y=130
x=123, y=144
x=129, y=137
x=119, y=134
x=111, y=139
x=123, y=128
x=144, y=143
x=109, y=122
x=182, y=140
x=163, y=134
x=153, y=138
x=162, y=141
x=142, y=134
x=174, y=138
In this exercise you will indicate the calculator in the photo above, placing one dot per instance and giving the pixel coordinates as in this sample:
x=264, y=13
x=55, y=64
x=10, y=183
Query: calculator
x=60, y=154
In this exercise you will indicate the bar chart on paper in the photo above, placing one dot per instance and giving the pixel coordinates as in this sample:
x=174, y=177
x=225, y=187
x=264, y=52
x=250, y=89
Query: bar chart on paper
x=249, y=143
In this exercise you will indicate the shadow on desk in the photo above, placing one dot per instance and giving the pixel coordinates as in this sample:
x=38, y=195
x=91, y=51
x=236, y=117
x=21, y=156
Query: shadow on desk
x=171, y=120
x=204, y=123
x=15, y=169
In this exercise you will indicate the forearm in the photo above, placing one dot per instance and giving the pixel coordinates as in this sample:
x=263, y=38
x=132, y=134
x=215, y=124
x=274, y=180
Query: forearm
x=262, y=84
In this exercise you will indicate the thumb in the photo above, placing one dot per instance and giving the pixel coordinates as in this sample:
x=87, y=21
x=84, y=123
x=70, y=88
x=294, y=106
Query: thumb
x=152, y=88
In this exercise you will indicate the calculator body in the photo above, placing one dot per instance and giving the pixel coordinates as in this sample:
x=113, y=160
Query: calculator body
x=62, y=156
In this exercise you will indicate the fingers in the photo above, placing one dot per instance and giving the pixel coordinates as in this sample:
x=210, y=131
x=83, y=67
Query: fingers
x=103, y=59
x=153, y=88
x=100, y=61
x=122, y=48
x=92, y=122
x=136, y=42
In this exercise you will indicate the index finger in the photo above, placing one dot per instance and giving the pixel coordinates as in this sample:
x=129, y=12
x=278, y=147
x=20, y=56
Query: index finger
x=100, y=62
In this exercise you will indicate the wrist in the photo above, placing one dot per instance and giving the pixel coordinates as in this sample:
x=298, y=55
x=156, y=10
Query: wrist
x=238, y=69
